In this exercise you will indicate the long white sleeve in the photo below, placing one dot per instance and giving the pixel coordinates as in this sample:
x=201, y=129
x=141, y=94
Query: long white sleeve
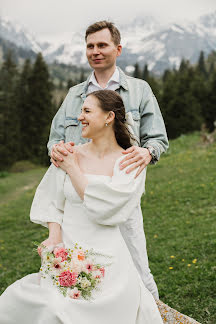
x=111, y=203
x=49, y=199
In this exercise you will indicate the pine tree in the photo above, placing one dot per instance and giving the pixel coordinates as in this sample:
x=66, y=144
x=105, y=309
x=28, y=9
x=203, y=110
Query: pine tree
x=70, y=83
x=181, y=108
x=211, y=69
x=40, y=111
x=136, y=73
x=166, y=75
x=9, y=116
x=146, y=73
x=183, y=66
x=210, y=108
x=82, y=76
x=60, y=86
x=201, y=68
x=23, y=107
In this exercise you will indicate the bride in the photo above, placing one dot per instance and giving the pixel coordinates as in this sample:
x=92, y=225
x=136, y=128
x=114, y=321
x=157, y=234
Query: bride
x=83, y=202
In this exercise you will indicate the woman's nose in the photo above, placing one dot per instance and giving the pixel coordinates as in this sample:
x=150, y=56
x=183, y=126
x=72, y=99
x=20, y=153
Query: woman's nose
x=80, y=117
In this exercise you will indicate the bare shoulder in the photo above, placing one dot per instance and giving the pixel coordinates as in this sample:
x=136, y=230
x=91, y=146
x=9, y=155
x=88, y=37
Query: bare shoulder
x=83, y=153
x=81, y=148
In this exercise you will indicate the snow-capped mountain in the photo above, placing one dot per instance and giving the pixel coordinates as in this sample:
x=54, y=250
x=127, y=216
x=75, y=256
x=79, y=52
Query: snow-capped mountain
x=17, y=34
x=69, y=52
x=166, y=47
x=145, y=40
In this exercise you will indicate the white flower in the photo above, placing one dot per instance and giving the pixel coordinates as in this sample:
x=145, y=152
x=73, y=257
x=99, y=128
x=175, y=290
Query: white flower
x=85, y=283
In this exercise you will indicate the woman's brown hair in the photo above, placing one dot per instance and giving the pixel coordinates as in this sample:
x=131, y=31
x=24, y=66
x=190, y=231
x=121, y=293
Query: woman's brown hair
x=110, y=100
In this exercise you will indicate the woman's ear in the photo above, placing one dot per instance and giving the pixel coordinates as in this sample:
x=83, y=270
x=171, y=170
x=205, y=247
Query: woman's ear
x=110, y=117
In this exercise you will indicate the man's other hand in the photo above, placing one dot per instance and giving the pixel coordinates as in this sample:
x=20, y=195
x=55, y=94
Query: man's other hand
x=138, y=156
x=59, y=150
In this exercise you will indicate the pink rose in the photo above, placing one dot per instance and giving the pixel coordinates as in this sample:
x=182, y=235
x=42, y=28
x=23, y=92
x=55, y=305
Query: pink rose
x=67, y=278
x=60, y=252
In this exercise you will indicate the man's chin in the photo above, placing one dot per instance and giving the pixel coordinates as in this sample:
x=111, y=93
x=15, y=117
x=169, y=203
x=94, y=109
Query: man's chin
x=99, y=65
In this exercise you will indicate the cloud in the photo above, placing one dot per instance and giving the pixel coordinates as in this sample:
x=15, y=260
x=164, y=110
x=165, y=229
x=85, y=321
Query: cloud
x=54, y=17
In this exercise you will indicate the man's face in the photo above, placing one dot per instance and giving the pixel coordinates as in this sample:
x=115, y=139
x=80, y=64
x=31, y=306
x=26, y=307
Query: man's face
x=101, y=52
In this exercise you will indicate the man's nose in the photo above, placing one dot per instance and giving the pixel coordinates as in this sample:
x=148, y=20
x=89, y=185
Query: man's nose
x=96, y=50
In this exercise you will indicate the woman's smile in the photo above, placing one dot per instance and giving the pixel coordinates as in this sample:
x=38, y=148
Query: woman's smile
x=84, y=125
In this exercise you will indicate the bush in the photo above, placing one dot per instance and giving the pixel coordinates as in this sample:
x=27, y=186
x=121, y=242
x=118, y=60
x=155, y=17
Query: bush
x=22, y=166
x=4, y=174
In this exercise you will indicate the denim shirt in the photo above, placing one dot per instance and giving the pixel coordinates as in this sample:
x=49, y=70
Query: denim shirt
x=138, y=98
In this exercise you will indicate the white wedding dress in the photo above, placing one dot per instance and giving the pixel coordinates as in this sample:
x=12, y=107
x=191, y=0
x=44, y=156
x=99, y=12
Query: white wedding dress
x=92, y=223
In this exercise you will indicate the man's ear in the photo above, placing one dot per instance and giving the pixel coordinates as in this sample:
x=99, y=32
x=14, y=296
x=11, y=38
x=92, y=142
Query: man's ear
x=119, y=50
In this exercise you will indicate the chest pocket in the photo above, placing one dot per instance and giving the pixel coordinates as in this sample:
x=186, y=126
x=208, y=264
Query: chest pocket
x=72, y=130
x=135, y=115
x=71, y=122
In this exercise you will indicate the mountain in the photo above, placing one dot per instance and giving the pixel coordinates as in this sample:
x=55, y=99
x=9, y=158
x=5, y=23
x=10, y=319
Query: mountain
x=18, y=35
x=166, y=46
x=145, y=40
x=19, y=53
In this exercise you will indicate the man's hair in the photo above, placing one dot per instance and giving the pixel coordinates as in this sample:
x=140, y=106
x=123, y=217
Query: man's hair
x=99, y=25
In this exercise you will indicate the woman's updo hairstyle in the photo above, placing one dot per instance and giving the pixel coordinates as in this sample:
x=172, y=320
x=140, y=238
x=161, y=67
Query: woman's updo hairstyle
x=110, y=100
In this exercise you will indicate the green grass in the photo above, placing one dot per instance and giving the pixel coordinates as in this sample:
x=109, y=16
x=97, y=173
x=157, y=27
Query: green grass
x=179, y=212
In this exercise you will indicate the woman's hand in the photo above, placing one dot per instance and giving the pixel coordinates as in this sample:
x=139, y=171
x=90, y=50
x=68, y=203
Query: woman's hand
x=59, y=151
x=50, y=242
x=55, y=236
x=70, y=162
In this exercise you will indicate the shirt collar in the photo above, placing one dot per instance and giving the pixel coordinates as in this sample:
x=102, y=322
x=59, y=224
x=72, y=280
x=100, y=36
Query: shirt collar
x=84, y=86
x=114, y=78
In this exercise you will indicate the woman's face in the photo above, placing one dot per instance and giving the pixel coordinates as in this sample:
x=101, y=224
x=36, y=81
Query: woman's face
x=93, y=118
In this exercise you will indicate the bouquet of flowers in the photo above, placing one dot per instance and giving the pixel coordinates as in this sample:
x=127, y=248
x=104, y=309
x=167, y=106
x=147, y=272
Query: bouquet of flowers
x=73, y=270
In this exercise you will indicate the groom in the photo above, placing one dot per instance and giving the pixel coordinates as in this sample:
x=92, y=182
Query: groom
x=102, y=49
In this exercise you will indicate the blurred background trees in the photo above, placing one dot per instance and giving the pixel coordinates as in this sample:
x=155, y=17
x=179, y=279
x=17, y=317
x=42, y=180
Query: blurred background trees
x=29, y=100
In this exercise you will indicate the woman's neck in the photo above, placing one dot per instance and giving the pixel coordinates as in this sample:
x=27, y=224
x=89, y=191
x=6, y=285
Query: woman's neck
x=102, y=147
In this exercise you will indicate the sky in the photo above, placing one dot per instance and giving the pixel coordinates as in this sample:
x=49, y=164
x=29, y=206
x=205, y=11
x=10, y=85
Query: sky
x=58, y=18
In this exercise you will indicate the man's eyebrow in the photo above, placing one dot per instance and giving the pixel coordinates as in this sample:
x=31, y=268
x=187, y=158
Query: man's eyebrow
x=99, y=43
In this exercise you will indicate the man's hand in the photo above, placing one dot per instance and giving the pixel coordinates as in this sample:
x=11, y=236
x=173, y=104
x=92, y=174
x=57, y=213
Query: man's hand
x=60, y=149
x=138, y=156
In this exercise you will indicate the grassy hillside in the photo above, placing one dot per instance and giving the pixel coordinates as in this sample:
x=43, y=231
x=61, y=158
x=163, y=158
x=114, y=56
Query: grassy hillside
x=179, y=212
